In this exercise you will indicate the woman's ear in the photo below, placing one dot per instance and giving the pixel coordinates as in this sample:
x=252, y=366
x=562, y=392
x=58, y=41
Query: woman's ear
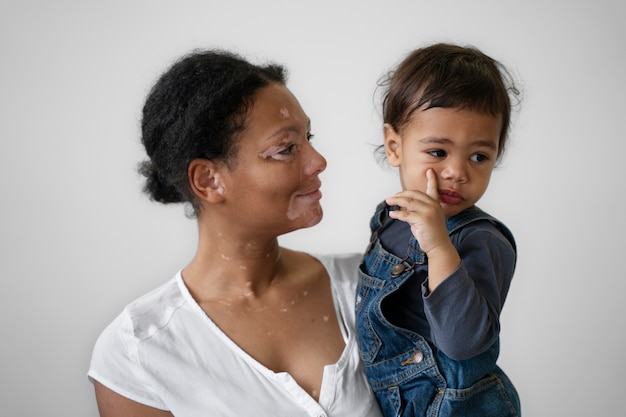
x=393, y=145
x=206, y=180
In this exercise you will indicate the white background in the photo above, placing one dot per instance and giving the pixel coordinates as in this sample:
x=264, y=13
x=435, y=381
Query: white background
x=78, y=239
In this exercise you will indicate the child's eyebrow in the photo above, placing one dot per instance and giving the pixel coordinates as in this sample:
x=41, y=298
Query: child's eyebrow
x=445, y=141
x=433, y=139
x=485, y=143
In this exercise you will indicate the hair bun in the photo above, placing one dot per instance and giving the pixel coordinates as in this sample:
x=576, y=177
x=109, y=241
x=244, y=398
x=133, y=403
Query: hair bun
x=155, y=186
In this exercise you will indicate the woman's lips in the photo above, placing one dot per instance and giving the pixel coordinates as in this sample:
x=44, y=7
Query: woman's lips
x=313, y=194
x=450, y=197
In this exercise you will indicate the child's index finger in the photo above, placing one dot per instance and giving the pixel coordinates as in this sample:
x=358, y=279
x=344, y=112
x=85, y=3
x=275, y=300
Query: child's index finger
x=432, y=187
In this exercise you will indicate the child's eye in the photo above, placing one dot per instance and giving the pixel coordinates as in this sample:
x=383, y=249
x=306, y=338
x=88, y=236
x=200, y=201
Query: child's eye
x=437, y=153
x=479, y=157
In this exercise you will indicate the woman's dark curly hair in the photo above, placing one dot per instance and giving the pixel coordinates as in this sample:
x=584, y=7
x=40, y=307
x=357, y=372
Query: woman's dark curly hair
x=196, y=110
x=452, y=76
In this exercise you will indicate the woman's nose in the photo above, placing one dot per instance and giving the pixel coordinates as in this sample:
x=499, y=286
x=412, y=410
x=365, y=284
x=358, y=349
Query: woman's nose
x=316, y=162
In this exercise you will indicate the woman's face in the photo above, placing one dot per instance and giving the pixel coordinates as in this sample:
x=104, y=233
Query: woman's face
x=273, y=184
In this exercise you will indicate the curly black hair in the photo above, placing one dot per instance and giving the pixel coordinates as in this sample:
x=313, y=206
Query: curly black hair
x=195, y=110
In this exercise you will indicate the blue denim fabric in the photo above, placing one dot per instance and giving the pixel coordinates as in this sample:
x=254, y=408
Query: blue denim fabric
x=410, y=376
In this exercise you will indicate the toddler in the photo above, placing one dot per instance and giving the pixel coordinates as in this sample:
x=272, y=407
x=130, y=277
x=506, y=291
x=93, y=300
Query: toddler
x=437, y=270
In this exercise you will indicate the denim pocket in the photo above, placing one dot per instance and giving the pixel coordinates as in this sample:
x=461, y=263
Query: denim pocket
x=390, y=401
x=369, y=341
x=489, y=397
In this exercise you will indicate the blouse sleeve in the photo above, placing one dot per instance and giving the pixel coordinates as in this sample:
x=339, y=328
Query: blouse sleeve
x=464, y=310
x=115, y=363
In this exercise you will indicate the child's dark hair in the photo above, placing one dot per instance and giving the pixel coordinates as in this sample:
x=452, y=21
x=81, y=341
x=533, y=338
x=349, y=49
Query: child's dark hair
x=195, y=110
x=452, y=76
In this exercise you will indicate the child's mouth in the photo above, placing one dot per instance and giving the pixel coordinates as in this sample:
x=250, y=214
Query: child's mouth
x=450, y=197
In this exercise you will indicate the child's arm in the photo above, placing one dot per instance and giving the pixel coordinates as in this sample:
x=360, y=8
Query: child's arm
x=464, y=311
x=428, y=224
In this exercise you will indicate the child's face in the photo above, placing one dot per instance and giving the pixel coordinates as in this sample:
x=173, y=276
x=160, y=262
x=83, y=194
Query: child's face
x=460, y=146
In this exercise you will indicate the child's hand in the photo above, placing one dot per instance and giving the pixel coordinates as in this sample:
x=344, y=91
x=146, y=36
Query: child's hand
x=424, y=213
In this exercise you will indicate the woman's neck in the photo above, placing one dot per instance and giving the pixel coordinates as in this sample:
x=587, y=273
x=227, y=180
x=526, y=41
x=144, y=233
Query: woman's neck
x=226, y=264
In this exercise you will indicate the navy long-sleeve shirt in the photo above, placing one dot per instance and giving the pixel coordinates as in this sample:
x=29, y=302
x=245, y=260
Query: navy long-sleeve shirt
x=462, y=315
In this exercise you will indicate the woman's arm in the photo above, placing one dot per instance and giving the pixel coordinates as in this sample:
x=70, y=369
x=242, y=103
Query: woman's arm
x=112, y=404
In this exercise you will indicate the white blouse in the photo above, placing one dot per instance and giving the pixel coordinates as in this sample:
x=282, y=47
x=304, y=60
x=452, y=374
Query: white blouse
x=165, y=352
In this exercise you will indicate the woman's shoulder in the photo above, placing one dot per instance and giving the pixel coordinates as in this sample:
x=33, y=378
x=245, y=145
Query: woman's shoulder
x=341, y=269
x=341, y=266
x=116, y=360
x=151, y=311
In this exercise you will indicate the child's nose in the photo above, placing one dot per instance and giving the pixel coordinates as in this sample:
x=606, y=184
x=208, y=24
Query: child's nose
x=455, y=170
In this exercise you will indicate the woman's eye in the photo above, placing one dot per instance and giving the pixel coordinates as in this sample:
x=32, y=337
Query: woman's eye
x=309, y=136
x=287, y=150
x=479, y=157
x=437, y=153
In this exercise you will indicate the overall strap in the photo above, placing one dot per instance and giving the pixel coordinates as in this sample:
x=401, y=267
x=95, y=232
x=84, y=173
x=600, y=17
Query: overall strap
x=473, y=214
x=415, y=254
x=454, y=223
x=466, y=217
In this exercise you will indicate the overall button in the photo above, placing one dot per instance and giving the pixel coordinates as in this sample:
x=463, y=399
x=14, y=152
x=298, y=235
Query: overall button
x=397, y=270
x=416, y=357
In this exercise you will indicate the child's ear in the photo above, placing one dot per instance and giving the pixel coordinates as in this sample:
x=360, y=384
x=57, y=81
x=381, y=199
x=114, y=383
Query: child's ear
x=393, y=145
x=206, y=180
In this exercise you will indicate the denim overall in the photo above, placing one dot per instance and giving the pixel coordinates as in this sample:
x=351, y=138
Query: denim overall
x=410, y=376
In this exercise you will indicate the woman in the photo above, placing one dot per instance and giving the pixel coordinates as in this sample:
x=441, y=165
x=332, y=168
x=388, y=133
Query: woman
x=247, y=328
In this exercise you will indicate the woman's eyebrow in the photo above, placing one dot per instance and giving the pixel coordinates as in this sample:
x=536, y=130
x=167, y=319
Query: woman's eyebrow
x=290, y=128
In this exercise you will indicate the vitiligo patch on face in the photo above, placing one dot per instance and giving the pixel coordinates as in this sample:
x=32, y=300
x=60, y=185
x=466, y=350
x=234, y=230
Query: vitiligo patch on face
x=301, y=209
x=284, y=113
x=273, y=151
x=293, y=212
x=269, y=152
